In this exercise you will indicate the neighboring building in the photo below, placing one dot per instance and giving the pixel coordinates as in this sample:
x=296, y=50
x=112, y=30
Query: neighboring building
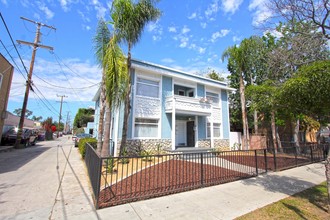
x=89, y=128
x=6, y=75
x=172, y=109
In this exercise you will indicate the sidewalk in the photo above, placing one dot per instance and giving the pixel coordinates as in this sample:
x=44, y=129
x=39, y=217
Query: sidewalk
x=225, y=201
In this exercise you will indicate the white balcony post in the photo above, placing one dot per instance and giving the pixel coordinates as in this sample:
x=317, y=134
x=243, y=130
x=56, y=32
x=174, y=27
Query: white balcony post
x=173, y=124
x=211, y=128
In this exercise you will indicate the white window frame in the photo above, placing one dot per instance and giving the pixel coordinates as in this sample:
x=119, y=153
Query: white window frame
x=214, y=95
x=145, y=83
x=208, y=127
x=146, y=123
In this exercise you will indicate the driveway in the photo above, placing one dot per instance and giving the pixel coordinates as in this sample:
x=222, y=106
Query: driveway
x=31, y=178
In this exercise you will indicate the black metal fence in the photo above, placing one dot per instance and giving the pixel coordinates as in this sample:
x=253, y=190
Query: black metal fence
x=118, y=180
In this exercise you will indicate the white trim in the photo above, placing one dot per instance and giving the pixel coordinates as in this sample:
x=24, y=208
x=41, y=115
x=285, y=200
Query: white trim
x=167, y=71
x=115, y=139
x=196, y=131
x=173, y=125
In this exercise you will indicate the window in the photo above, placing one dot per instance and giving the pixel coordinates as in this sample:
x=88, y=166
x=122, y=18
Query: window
x=212, y=96
x=181, y=92
x=146, y=127
x=216, y=130
x=147, y=88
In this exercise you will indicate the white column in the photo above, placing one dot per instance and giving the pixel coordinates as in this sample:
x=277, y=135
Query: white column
x=211, y=128
x=115, y=133
x=196, y=131
x=173, y=124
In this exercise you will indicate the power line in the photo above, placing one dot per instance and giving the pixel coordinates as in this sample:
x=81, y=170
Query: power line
x=62, y=87
x=19, y=70
x=58, y=58
x=3, y=20
x=35, y=45
x=45, y=98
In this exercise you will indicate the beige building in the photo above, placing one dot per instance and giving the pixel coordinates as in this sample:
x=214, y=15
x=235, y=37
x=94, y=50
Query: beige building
x=6, y=75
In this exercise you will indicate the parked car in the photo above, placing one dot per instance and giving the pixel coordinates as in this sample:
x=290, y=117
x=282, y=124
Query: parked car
x=80, y=136
x=29, y=136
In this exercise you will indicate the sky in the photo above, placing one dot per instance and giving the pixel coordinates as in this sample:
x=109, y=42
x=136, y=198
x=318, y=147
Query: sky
x=190, y=36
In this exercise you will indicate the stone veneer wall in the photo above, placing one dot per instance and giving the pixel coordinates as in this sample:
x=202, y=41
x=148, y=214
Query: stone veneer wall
x=137, y=145
x=221, y=144
x=204, y=143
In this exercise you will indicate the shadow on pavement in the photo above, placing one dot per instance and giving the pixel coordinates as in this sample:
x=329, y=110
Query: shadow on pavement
x=15, y=159
x=88, y=198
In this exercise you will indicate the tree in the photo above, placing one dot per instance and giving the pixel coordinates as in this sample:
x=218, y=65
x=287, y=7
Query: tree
x=308, y=93
x=35, y=118
x=47, y=124
x=212, y=74
x=18, y=112
x=299, y=45
x=101, y=41
x=83, y=116
x=307, y=11
x=129, y=20
x=245, y=64
x=115, y=83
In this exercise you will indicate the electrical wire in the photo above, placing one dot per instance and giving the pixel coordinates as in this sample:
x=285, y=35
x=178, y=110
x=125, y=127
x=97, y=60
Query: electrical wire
x=4, y=22
x=62, y=87
x=58, y=58
x=19, y=70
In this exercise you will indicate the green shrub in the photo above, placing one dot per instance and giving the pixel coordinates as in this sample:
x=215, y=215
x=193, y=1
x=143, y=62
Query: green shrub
x=124, y=159
x=110, y=165
x=146, y=155
x=82, y=145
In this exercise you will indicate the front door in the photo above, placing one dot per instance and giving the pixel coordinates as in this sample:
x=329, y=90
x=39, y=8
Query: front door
x=190, y=134
x=180, y=133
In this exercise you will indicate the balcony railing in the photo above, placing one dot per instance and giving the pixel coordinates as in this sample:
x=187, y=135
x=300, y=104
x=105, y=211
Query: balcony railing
x=188, y=105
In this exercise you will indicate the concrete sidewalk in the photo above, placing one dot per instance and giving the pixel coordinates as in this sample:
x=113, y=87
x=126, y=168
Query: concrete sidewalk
x=225, y=201
x=49, y=181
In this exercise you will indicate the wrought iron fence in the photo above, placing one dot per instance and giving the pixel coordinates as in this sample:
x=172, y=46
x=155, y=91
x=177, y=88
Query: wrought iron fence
x=118, y=180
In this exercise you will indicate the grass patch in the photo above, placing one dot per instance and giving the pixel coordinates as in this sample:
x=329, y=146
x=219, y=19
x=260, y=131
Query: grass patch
x=308, y=204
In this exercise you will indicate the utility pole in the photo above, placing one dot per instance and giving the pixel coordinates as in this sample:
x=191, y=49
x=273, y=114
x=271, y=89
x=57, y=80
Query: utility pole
x=35, y=45
x=59, y=119
x=67, y=122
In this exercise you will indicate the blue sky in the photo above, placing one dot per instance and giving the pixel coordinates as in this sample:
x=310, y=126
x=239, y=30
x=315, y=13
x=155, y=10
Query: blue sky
x=191, y=35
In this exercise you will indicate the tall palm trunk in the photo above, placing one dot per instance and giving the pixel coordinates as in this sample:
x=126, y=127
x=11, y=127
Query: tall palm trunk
x=279, y=144
x=255, y=118
x=246, y=137
x=127, y=103
x=295, y=136
x=272, y=119
x=106, y=142
x=101, y=117
x=327, y=174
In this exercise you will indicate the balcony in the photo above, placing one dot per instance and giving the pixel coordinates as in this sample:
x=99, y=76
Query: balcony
x=188, y=105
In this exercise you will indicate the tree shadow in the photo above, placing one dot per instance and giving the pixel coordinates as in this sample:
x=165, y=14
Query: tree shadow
x=296, y=210
x=15, y=159
x=291, y=185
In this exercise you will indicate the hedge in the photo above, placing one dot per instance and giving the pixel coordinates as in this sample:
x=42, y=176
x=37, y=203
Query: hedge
x=82, y=145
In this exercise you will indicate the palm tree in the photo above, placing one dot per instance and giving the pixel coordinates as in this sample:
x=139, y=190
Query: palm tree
x=115, y=83
x=236, y=65
x=101, y=41
x=129, y=20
